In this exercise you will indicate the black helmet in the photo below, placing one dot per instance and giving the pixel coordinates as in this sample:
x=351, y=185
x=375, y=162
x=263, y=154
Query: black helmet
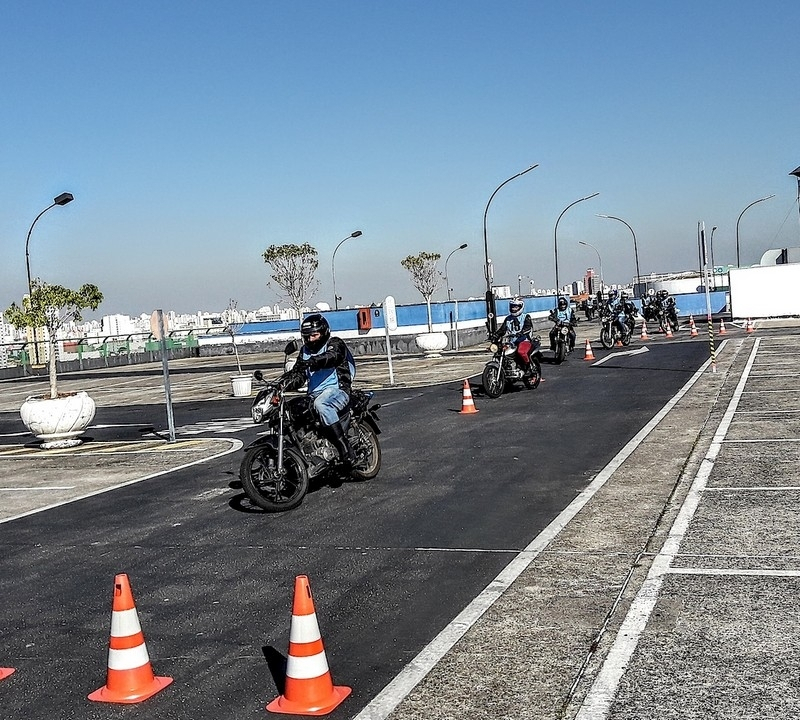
x=315, y=323
x=516, y=306
x=562, y=303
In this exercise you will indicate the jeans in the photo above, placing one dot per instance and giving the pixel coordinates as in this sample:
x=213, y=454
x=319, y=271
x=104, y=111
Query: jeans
x=328, y=403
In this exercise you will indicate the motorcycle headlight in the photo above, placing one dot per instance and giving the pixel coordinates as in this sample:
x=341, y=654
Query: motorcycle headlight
x=494, y=347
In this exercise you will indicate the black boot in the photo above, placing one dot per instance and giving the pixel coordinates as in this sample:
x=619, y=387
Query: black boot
x=342, y=444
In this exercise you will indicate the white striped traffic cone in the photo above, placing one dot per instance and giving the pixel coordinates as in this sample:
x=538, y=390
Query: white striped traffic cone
x=309, y=689
x=130, y=676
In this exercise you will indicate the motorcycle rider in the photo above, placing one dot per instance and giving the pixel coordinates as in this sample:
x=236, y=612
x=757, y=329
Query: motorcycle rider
x=518, y=326
x=627, y=312
x=562, y=313
x=327, y=365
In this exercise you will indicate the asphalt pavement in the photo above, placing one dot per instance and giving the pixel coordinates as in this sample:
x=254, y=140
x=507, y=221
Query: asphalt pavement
x=666, y=589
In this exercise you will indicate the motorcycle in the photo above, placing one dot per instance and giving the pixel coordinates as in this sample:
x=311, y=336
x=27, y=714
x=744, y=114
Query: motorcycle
x=278, y=467
x=504, y=369
x=561, y=343
x=669, y=316
x=615, y=327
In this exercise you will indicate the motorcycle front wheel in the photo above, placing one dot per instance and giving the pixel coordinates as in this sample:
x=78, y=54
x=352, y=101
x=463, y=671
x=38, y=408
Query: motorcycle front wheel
x=561, y=352
x=605, y=338
x=532, y=382
x=626, y=336
x=494, y=380
x=265, y=486
x=367, y=450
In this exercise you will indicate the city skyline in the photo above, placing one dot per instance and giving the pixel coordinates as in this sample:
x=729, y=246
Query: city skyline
x=193, y=141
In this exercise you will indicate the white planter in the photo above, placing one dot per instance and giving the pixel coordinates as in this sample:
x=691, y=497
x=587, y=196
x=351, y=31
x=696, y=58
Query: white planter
x=58, y=422
x=242, y=385
x=432, y=344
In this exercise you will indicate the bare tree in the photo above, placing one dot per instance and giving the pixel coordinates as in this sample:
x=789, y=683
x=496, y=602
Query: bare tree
x=424, y=276
x=293, y=268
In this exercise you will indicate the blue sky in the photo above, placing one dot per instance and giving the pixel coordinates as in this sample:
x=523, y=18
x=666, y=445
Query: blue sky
x=195, y=134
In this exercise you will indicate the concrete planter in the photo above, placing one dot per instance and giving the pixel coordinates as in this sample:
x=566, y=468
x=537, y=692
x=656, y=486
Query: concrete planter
x=242, y=385
x=58, y=422
x=432, y=344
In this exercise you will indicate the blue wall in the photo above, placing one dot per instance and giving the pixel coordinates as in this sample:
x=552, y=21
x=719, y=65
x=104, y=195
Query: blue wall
x=408, y=315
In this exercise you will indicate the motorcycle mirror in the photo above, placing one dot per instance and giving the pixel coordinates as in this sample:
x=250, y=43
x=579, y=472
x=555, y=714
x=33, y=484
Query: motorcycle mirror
x=291, y=347
x=258, y=375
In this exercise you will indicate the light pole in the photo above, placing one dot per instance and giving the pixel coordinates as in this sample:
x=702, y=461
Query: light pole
x=599, y=260
x=711, y=248
x=62, y=199
x=446, y=278
x=491, y=315
x=796, y=173
x=555, y=233
x=635, y=249
x=336, y=298
x=740, y=217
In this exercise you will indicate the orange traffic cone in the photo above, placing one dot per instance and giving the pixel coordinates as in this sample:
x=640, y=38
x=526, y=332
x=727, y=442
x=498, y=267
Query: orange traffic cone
x=669, y=330
x=722, y=330
x=130, y=676
x=5, y=672
x=588, y=354
x=692, y=327
x=750, y=325
x=644, y=335
x=467, y=403
x=309, y=689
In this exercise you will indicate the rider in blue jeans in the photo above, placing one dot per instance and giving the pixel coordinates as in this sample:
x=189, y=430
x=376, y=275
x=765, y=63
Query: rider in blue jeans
x=327, y=365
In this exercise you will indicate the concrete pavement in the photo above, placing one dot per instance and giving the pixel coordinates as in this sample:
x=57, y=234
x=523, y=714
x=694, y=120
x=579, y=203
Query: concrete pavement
x=667, y=589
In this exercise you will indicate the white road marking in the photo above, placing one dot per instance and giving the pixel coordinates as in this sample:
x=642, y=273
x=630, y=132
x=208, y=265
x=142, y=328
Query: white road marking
x=615, y=355
x=390, y=697
x=597, y=704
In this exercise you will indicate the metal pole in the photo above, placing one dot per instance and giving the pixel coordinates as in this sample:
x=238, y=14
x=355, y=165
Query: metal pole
x=740, y=217
x=62, y=199
x=357, y=233
x=635, y=247
x=491, y=316
x=555, y=233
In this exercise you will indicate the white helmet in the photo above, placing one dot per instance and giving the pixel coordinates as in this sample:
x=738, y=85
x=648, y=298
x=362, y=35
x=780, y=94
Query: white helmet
x=516, y=306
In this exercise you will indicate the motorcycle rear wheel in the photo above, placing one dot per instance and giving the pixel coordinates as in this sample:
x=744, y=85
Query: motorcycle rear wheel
x=605, y=338
x=532, y=382
x=268, y=489
x=367, y=450
x=494, y=380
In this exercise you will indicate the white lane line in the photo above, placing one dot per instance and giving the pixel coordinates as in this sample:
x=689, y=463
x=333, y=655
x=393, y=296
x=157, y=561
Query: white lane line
x=734, y=572
x=37, y=489
x=597, y=704
x=235, y=445
x=412, y=674
x=757, y=488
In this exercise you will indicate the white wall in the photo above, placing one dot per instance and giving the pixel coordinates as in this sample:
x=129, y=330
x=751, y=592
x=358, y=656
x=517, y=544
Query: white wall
x=771, y=291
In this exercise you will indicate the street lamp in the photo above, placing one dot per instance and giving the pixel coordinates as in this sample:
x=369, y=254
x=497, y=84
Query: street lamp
x=635, y=249
x=520, y=278
x=446, y=279
x=336, y=298
x=796, y=173
x=491, y=315
x=555, y=233
x=740, y=217
x=711, y=247
x=62, y=199
x=599, y=260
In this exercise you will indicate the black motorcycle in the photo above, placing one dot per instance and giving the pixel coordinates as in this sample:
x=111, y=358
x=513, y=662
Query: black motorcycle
x=560, y=344
x=504, y=369
x=615, y=327
x=278, y=467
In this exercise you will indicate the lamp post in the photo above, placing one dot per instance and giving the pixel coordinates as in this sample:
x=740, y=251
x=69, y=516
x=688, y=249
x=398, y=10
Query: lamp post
x=555, y=233
x=711, y=248
x=62, y=199
x=336, y=298
x=796, y=173
x=740, y=217
x=446, y=278
x=635, y=248
x=599, y=260
x=491, y=315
